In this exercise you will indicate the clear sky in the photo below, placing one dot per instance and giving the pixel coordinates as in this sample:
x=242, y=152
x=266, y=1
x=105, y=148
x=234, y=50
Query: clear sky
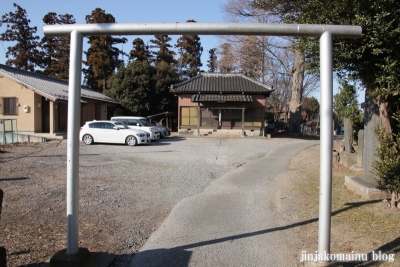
x=127, y=11
x=123, y=12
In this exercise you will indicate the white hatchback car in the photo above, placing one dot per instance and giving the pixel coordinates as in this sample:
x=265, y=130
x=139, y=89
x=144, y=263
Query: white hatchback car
x=112, y=132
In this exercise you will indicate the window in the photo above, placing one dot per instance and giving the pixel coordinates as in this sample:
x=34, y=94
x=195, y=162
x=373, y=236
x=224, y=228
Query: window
x=109, y=125
x=254, y=117
x=189, y=116
x=132, y=122
x=209, y=117
x=144, y=122
x=97, y=125
x=9, y=106
x=121, y=121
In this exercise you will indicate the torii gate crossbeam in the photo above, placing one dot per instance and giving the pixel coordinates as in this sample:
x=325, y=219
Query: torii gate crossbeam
x=325, y=32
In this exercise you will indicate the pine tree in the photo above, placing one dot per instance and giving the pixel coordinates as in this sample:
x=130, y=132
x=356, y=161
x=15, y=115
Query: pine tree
x=212, y=60
x=102, y=56
x=56, y=50
x=24, y=54
x=163, y=54
x=140, y=51
x=190, y=51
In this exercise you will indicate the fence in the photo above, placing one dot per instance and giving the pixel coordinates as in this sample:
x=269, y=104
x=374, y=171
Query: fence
x=8, y=131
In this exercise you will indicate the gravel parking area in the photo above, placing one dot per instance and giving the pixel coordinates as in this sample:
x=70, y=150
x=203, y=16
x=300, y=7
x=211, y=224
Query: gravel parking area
x=125, y=192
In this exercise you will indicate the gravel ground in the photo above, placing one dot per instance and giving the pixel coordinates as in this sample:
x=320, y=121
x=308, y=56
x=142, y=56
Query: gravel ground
x=125, y=192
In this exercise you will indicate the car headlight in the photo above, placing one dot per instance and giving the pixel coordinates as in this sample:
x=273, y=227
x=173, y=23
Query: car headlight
x=141, y=135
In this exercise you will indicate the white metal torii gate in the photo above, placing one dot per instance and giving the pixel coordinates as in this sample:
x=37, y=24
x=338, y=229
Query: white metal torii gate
x=325, y=32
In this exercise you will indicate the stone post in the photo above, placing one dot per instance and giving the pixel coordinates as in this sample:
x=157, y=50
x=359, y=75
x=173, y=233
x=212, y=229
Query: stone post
x=348, y=136
x=360, y=150
x=371, y=119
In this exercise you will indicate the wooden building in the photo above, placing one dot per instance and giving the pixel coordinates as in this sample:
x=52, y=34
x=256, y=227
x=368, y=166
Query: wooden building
x=216, y=103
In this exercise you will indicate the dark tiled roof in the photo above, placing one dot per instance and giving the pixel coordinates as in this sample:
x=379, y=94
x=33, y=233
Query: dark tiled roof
x=221, y=83
x=50, y=88
x=221, y=98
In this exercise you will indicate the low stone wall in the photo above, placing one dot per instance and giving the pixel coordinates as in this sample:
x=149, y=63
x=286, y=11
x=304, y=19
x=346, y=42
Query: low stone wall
x=363, y=188
x=220, y=132
x=10, y=138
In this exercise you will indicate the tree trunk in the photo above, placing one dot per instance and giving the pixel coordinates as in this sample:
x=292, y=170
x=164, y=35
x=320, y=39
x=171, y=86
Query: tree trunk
x=297, y=91
x=383, y=113
x=298, y=77
x=394, y=201
x=383, y=104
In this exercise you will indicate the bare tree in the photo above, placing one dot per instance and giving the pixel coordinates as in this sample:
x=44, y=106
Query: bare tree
x=227, y=61
x=273, y=60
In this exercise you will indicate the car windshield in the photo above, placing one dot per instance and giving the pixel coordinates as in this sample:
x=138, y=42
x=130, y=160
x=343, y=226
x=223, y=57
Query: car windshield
x=120, y=125
x=145, y=122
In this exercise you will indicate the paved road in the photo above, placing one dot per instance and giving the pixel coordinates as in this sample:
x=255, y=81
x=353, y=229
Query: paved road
x=233, y=222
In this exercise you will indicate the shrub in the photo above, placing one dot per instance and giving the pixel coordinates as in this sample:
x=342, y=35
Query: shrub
x=387, y=161
x=280, y=125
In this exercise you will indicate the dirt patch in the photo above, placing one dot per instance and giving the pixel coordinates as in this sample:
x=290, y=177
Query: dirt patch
x=113, y=219
x=358, y=226
x=125, y=192
x=117, y=216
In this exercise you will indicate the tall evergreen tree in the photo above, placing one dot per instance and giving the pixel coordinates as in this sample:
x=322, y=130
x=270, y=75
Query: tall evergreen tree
x=24, y=53
x=212, y=60
x=102, y=56
x=56, y=50
x=310, y=105
x=163, y=53
x=345, y=103
x=140, y=51
x=190, y=51
x=143, y=89
x=134, y=87
x=166, y=75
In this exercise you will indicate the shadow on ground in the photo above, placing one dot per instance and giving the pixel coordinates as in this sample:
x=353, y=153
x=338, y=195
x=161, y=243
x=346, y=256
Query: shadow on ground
x=180, y=256
x=293, y=136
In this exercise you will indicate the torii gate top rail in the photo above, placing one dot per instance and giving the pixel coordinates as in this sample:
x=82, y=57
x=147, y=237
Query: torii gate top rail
x=176, y=28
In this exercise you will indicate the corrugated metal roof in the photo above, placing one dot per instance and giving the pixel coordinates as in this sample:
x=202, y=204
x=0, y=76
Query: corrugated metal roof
x=221, y=98
x=221, y=83
x=50, y=88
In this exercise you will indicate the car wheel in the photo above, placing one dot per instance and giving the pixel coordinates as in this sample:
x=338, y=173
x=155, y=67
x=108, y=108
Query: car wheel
x=87, y=139
x=131, y=141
